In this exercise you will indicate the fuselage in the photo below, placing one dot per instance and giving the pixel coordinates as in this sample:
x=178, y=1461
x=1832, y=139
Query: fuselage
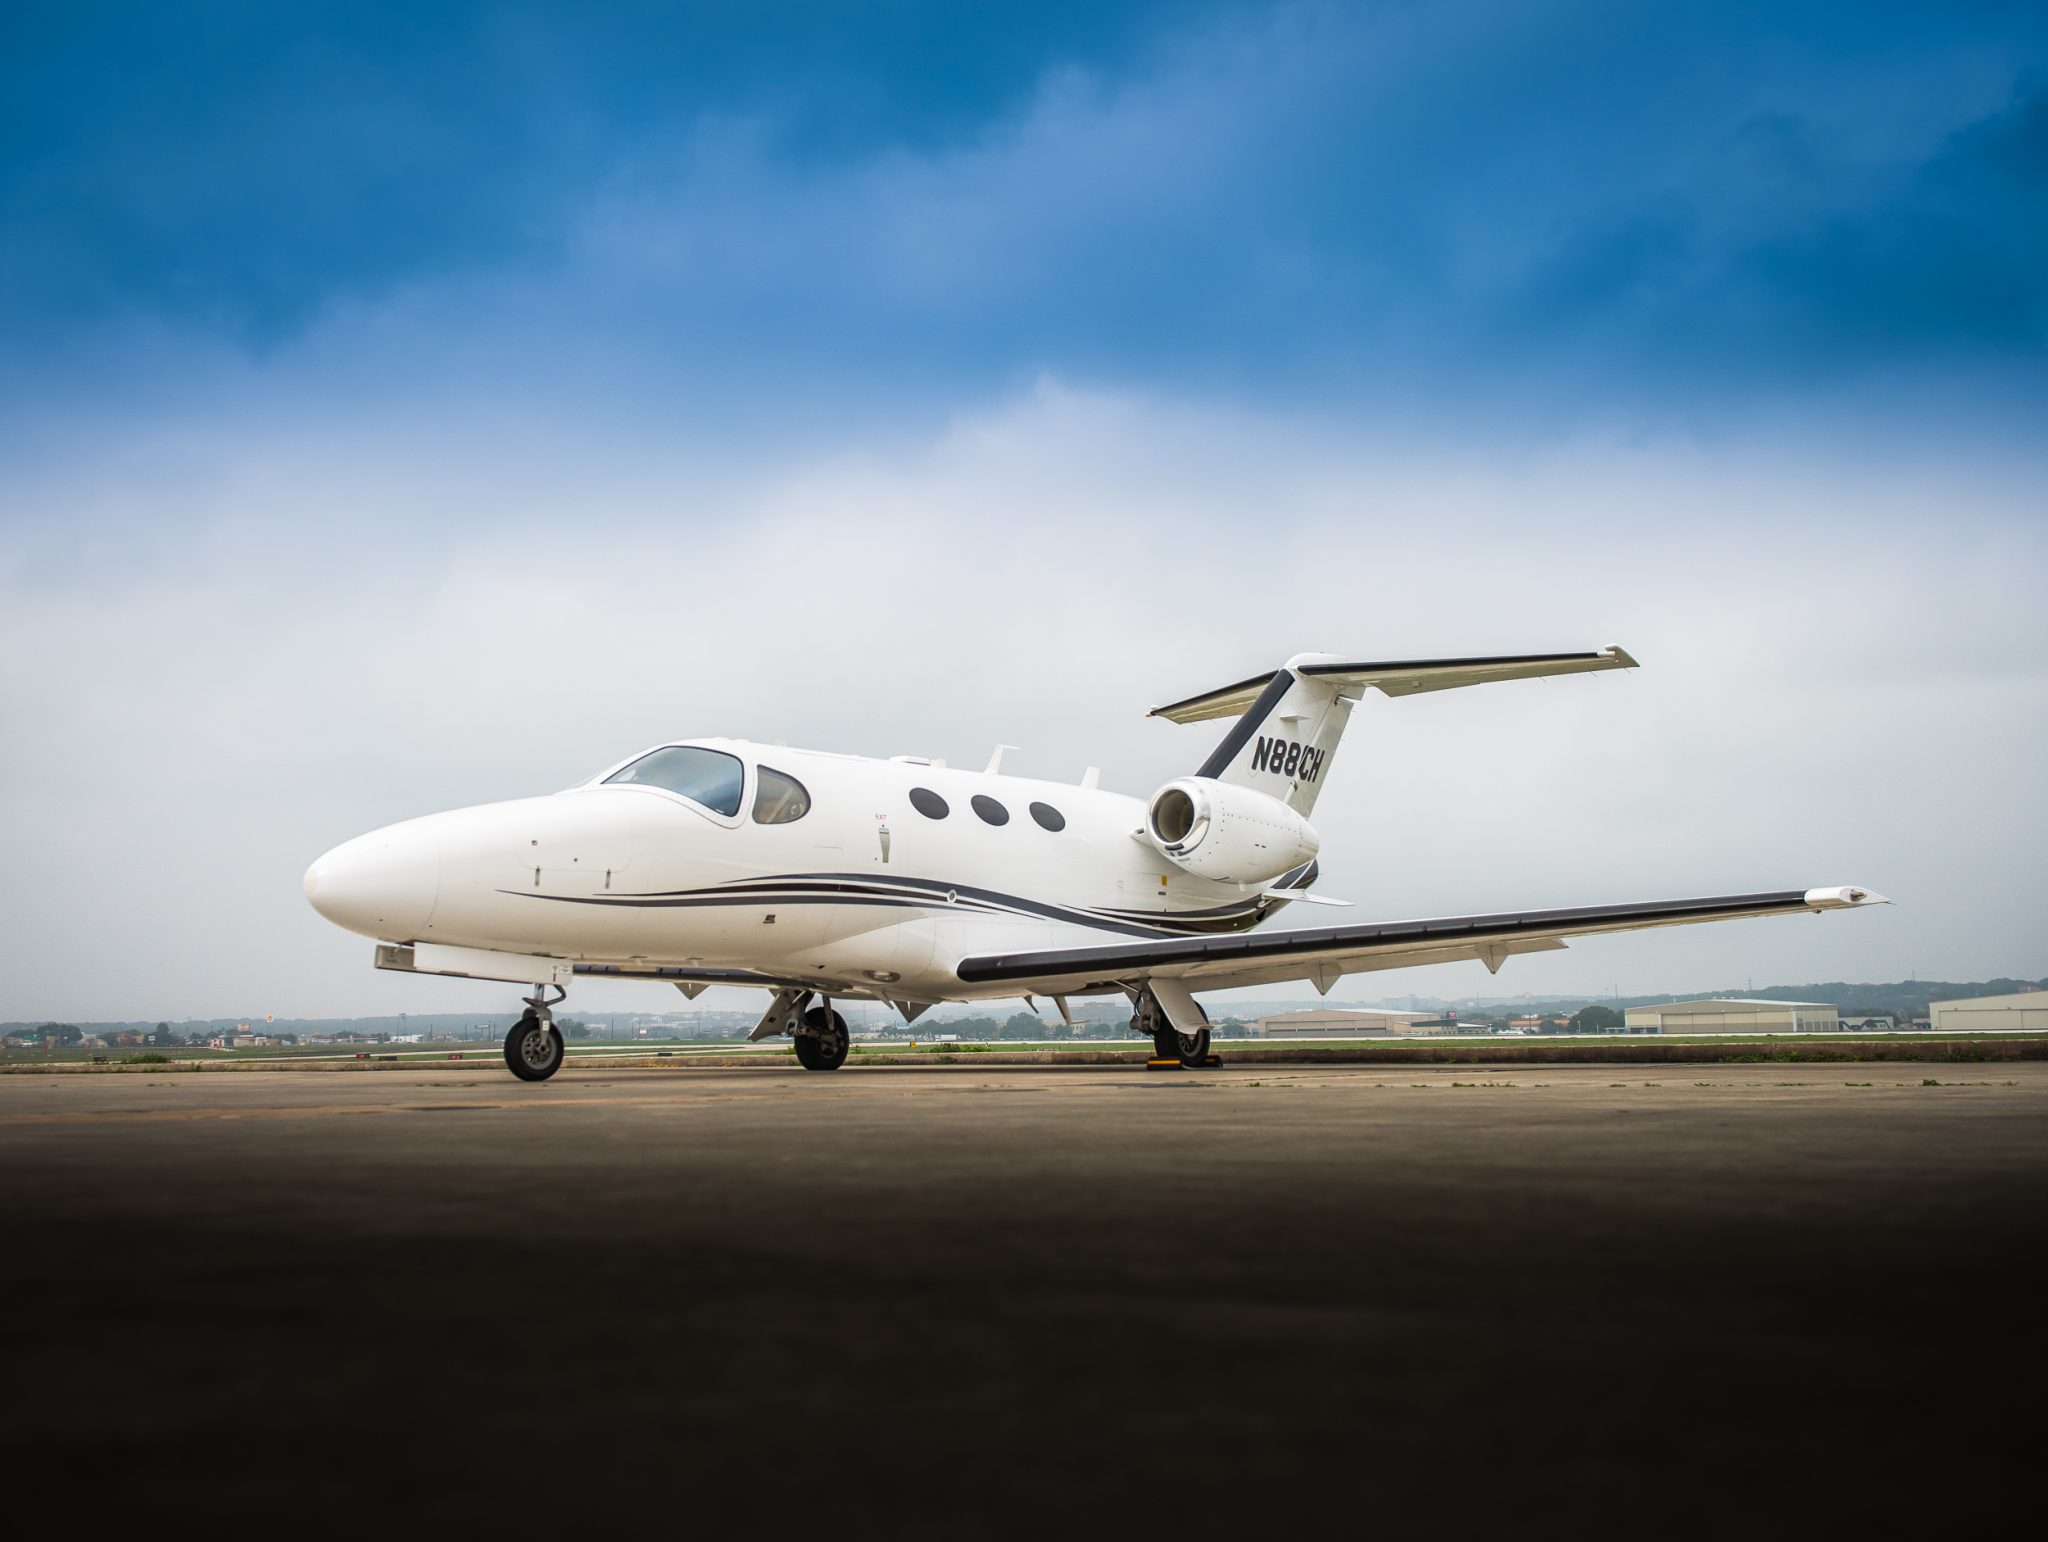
x=869, y=877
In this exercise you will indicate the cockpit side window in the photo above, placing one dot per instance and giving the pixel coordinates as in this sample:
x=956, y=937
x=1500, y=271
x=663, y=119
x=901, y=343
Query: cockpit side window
x=779, y=799
x=709, y=777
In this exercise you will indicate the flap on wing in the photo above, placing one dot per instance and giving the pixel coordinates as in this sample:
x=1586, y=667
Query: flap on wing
x=697, y=975
x=1297, y=953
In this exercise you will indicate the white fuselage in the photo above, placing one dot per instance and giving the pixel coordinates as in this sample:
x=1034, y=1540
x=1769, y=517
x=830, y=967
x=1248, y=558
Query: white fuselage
x=863, y=894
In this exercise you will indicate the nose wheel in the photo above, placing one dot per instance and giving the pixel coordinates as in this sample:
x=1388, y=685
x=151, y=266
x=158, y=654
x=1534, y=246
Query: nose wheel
x=822, y=1040
x=534, y=1050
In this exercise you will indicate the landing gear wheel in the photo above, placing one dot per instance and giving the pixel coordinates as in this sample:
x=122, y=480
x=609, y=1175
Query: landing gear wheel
x=1190, y=1049
x=822, y=1045
x=534, y=1049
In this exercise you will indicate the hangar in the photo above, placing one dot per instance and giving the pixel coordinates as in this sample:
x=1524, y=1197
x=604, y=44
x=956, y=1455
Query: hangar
x=2027, y=1009
x=1328, y=1021
x=1734, y=1016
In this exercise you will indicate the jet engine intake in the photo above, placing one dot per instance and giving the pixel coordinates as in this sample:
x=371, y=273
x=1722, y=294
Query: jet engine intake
x=1227, y=833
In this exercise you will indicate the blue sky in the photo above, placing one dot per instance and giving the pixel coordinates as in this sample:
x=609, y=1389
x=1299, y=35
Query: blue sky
x=378, y=382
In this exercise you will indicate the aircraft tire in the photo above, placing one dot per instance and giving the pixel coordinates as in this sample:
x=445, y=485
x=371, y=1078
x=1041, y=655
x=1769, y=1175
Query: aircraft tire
x=823, y=1049
x=1166, y=1045
x=1192, y=1048
x=533, y=1050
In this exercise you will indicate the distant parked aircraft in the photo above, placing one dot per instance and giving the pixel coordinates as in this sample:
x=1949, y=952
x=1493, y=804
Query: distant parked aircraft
x=818, y=876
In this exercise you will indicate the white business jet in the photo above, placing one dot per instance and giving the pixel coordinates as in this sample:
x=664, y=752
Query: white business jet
x=818, y=877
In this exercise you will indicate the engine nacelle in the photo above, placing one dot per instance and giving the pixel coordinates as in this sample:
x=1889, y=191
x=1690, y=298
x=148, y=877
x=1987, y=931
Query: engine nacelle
x=1227, y=833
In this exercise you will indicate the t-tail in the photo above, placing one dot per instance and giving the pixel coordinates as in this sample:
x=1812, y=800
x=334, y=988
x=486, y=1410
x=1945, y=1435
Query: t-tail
x=1289, y=721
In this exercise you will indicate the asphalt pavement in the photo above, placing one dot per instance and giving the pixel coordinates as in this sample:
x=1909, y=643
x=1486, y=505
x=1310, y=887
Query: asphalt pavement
x=977, y=1301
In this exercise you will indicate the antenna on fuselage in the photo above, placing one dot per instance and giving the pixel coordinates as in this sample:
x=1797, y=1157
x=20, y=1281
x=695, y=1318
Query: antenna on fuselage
x=995, y=761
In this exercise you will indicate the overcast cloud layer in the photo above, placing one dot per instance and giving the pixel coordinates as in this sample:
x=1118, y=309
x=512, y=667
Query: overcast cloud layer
x=398, y=414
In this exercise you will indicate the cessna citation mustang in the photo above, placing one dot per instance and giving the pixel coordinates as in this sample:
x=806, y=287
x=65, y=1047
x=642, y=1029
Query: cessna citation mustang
x=819, y=877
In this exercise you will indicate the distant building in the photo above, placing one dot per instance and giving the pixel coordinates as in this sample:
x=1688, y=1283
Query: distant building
x=2028, y=1009
x=1334, y=1024
x=1734, y=1016
x=1882, y=1022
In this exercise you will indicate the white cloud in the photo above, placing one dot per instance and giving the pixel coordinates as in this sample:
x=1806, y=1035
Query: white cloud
x=1838, y=685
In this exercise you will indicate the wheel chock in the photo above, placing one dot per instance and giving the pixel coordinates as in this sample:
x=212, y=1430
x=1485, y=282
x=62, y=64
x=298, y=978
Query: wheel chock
x=1156, y=1064
x=1210, y=1062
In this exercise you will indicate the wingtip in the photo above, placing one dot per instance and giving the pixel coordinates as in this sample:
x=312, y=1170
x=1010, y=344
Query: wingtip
x=1845, y=897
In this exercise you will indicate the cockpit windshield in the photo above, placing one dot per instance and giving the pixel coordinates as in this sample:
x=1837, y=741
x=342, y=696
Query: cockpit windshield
x=709, y=777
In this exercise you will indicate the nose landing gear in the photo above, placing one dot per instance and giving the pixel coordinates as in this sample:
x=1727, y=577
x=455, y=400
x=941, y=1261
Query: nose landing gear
x=533, y=1049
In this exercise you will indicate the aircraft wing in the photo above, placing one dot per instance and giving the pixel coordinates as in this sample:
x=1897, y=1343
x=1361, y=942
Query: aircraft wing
x=1321, y=954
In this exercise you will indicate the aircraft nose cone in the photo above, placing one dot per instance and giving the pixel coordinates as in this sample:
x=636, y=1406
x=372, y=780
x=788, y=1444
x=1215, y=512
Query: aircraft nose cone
x=383, y=884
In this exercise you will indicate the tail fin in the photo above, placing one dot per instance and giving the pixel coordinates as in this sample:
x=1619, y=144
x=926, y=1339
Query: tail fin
x=1289, y=722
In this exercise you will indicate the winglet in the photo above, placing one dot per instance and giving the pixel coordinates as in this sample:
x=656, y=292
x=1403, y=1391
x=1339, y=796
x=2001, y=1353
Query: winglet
x=1847, y=897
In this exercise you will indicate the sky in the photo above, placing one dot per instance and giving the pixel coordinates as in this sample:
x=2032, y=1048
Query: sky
x=404, y=407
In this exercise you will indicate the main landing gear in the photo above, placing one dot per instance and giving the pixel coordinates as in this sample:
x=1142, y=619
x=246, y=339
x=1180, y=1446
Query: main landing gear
x=1149, y=1020
x=822, y=1041
x=533, y=1049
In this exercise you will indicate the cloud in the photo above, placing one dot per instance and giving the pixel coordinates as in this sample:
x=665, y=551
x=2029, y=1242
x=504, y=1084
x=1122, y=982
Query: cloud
x=402, y=411
x=1951, y=264
x=241, y=169
x=1473, y=209
x=190, y=724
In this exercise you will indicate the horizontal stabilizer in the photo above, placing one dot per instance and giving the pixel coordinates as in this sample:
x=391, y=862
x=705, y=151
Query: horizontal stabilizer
x=1412, y=678
x=1398, y=677
x=1224, y=701
x=1290, y=719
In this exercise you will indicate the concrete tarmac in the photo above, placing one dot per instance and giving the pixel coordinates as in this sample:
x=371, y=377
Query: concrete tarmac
x=1439, y=1301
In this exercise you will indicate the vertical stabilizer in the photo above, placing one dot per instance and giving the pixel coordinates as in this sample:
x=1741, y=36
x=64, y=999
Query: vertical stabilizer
x=1283, y=744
